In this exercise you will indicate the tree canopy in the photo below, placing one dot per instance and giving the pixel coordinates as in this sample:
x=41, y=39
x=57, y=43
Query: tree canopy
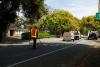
x=89, y=23
x=32, y=9
x=59, y=21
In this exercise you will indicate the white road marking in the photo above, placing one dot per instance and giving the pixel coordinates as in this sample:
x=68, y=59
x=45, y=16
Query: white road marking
x=38, y=56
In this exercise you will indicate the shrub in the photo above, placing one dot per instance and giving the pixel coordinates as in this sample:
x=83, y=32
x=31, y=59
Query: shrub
x=43, y=35
x=27, y=35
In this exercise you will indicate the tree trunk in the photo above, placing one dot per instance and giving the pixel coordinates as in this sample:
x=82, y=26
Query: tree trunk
x=3, y=31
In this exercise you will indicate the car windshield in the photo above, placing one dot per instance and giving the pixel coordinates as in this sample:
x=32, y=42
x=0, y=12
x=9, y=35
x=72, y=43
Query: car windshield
x=76, y=33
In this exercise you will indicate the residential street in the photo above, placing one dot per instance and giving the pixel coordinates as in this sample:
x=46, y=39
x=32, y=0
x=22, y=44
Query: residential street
x=47, y=54
x=49, y=33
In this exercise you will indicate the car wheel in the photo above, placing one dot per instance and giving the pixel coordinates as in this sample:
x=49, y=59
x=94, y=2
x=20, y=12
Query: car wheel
x=88, y=38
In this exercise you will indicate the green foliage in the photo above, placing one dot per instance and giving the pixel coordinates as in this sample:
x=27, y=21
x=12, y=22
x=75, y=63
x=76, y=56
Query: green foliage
x=43, y=35
x=59, y=21
x=90, y=23
x=8, y=10
x=27, y=35
x=32, y=9
x=20, y=22
x=84, y=31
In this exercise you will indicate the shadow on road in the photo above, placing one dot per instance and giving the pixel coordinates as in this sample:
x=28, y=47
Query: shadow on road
x=12, y=40
x=91, y=60
x=12, y=54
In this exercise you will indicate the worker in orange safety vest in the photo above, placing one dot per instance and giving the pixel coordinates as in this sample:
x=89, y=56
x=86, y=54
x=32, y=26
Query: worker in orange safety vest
x=34, y=35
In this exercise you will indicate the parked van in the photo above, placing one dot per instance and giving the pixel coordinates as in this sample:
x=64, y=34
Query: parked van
x=71, y=35
x=66, y=36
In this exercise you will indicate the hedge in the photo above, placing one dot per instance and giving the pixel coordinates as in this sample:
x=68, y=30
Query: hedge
x=27, y=35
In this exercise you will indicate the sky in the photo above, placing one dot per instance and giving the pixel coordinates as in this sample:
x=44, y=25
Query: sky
x=78, y=8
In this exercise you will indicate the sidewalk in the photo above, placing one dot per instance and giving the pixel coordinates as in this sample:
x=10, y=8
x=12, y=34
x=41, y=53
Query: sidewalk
x=14, y=41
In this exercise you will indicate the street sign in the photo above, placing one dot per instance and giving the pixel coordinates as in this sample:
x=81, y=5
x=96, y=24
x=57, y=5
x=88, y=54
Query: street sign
x=98, y=16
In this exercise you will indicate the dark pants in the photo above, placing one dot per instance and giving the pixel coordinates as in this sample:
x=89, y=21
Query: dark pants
x=34, y=42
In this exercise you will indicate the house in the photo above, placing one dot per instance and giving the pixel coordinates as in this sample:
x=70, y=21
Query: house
x=14, y=31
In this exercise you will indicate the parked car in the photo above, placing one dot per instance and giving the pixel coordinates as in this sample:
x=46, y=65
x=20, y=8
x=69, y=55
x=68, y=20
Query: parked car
x=93, y=35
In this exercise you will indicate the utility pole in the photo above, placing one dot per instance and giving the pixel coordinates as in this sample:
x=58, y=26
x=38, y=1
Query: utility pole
x=99, y=6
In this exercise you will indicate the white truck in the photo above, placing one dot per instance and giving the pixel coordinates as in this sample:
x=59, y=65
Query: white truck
x=77, y=35
x=71, y=35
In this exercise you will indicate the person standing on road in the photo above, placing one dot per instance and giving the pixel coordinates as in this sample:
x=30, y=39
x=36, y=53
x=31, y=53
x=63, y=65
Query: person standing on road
x=34, y=35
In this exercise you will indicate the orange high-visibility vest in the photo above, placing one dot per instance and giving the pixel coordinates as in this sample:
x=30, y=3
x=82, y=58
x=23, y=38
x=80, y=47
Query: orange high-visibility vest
x=34, y=33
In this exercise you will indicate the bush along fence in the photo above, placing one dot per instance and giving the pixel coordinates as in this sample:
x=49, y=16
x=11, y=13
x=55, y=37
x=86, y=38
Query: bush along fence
x=27, y=35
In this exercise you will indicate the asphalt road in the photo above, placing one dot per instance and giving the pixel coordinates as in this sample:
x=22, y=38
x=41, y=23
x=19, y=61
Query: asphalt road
x=48, y=55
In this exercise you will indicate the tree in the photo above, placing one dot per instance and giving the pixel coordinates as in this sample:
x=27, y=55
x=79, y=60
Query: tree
x=19, y=22
x=59, y=21
x=8, y=10
x=89, y=23
x=32, y=9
